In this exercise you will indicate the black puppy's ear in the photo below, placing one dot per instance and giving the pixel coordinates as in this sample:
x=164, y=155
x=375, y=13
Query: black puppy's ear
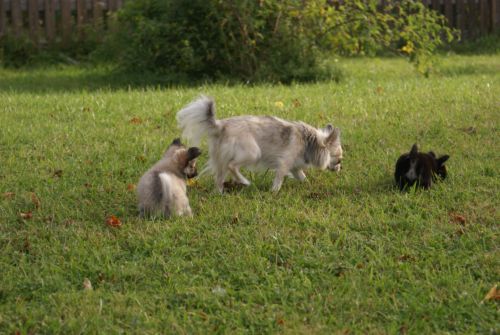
x=414, y=151
x=441, y=160
x=176, y=141
x=193, y=152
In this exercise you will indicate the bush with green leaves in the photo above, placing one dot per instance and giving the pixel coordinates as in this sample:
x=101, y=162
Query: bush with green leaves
x=276, y=40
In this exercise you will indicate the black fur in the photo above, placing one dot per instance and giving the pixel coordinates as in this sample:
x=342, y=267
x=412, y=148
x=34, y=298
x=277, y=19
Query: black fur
x=426, y=169
x=156, y=188
x=193, y=153
x=177, y=142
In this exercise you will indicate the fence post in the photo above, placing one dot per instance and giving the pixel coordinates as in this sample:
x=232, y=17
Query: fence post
x=50, y=22
x=17, y=19
x=66, y=24
x=435, y=5
x=448, y=12
x=97, y=10
x=33, y=20
x=3, y=18
x=81, y=9
x=494, y=8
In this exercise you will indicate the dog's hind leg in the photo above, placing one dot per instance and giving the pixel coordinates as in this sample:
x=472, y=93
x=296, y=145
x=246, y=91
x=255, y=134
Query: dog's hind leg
x=220, y=176
x=235, y=171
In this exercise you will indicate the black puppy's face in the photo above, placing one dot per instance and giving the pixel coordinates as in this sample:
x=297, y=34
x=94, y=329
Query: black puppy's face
x=190, y=170
x=419, y=168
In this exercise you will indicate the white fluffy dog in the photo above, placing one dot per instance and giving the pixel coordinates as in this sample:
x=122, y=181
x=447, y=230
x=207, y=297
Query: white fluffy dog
x=259, y=142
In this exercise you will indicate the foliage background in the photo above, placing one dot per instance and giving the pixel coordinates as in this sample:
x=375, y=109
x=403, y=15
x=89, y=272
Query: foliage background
x=266, y=40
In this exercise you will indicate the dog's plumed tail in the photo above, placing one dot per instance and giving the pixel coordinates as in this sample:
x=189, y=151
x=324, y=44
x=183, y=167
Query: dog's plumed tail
x=197, y=120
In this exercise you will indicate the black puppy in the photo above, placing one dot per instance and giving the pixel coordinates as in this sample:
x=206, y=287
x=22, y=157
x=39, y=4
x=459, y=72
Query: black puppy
x=420, y=168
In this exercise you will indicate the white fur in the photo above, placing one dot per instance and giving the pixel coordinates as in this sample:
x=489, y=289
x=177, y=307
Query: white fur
x=258, y=142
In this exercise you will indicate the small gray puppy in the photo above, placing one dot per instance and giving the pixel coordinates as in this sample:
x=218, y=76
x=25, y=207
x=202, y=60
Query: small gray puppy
x=163, y=187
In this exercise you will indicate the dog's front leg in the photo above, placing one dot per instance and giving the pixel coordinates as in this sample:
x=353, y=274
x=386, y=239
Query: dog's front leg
x=299, y=174
x=278, y=180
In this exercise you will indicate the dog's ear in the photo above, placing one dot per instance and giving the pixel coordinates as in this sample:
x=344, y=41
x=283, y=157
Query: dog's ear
x=414, y=151
x=328, y=129
x=431, y=153
x=441, y=160
x=334, y=136
x=177, y=142
x=193, y=153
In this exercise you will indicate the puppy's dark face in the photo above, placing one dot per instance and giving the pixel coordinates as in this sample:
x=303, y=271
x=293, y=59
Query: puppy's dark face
x=420, y=168
x=189, y=162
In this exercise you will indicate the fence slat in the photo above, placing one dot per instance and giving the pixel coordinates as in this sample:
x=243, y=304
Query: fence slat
x=17, y=19
x=3, y=18
x=66, y=22
x=80, y=14
x=97, y=12
x=494, y=8
x=448, y=12
x=33, y=19
x=112, y=5
x=435, y=5
x=50, y=19
x=483, y=7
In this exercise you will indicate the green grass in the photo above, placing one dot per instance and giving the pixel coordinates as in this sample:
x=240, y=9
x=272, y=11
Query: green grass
x=340, y=253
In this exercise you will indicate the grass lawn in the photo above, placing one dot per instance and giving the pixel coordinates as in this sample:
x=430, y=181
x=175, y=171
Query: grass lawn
x=340, y=253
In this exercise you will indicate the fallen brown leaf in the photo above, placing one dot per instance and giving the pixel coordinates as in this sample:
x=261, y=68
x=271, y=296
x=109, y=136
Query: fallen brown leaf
x=113, y=221
x=458, y=218
x=130, y=187
x=235, y=219
x=8, y=195
x=280, y=321
x=135, y=120
x=26, y=216
x=35, y=200
x=493, y=294
x=469, y=130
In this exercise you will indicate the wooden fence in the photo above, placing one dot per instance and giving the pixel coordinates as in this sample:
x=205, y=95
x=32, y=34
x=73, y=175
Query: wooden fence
x=472, y=17
x=47, y=21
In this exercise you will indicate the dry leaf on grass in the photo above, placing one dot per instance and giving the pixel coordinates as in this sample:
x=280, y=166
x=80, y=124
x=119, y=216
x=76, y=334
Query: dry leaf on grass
x=458, y=218
x=87, y=285
x=191, y=182
x=113, y=221
x=130, y=187
x=26, y=216
x=135, y=120
x=35, y=200
x=493, y=294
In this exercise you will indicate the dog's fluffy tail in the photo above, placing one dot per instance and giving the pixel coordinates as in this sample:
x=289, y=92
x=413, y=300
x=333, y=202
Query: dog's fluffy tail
x=197, y=120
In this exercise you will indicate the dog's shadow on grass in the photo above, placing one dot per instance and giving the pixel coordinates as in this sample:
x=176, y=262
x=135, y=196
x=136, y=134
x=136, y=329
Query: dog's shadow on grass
x=368, y=188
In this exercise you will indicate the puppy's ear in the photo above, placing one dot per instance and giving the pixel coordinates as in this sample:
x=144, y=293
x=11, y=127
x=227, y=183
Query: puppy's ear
x=334, y=136
x=193, y=153
x=414, y=151
x=177, y=142
x=441, y=160
x=431, y=153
